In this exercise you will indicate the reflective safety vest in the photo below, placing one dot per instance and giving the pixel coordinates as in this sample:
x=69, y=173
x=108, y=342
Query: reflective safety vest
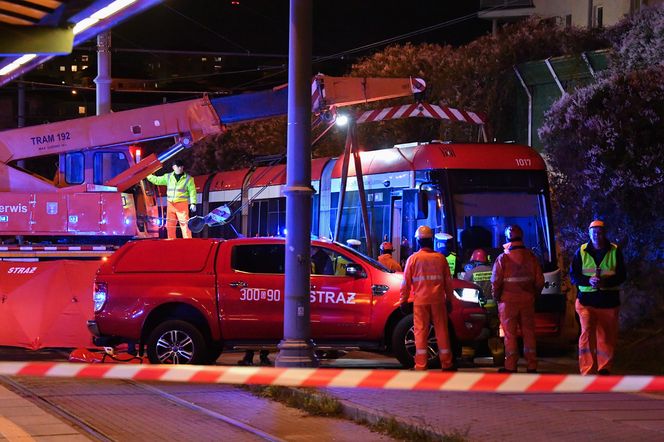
x=482, y=276
x=182, y=190
x=607, y=267
x=451, y=261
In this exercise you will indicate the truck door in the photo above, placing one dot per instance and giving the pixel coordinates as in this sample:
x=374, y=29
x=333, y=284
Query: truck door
x=250, y=286
x=340, y=303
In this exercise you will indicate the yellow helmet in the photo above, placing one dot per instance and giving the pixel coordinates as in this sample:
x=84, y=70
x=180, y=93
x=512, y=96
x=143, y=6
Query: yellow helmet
x=424, y=232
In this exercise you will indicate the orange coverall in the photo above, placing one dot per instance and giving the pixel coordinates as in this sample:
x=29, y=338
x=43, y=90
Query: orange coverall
x=516, y=280
x=427, y=277
x=389, y=262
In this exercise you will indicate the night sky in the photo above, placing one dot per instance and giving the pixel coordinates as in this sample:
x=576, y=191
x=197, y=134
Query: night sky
x=261, y=27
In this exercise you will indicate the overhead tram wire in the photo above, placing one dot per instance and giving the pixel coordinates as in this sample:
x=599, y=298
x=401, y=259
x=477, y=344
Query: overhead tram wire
x=387, y=41
x=212, y=31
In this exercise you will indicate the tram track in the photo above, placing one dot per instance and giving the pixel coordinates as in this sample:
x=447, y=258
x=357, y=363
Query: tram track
x=49, y=395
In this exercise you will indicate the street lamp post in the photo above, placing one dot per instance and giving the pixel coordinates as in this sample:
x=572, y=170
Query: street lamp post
x=296, y=349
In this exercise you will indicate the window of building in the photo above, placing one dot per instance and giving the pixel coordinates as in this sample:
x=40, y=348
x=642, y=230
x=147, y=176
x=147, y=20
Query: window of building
x=599, y=16
x=62, y=68
x=74, y=168
x=258, y=258
x=82, y=110
x=74, y=68
x=84, y=58
x=203, y=59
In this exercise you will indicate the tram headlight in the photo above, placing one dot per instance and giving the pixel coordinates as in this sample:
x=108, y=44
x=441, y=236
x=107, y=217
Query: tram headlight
x=468, y=295
x=99, y=296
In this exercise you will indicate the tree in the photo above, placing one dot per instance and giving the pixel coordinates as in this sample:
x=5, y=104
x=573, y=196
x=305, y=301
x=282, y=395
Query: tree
x=605, y=145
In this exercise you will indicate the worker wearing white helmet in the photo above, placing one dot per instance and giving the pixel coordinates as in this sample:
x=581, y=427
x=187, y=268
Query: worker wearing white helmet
x=428, y=282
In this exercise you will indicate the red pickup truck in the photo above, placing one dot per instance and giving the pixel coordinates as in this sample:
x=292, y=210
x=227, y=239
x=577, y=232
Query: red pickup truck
x=185, y=301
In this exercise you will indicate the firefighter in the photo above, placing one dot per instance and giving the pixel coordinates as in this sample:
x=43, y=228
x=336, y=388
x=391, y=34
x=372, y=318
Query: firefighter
x=180, y=198
x=444, y=246
x=516, y=281
x=598, y=269
x=386, y=259
x=478, y=271
x=427, y=275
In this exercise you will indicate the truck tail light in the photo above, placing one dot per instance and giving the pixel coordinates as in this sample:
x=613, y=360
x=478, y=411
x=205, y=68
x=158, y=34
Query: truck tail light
x=99, y=296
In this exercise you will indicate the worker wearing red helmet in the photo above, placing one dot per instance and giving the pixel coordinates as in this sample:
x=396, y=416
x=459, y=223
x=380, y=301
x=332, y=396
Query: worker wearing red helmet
x=597, y=270
x=478, y=271
x=427, y=278
x=516, y=281
x=386, y=259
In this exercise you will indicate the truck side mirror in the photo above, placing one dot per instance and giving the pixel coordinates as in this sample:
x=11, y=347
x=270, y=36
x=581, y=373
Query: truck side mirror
x=355, y=270
x=422, y=204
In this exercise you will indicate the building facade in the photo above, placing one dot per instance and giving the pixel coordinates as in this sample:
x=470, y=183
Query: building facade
x=567, y=13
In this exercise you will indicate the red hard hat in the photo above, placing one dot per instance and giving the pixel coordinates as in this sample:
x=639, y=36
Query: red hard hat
x=387, y=247
x=479, y=255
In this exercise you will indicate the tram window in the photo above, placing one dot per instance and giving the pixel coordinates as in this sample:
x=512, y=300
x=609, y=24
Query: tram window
x=482, y=218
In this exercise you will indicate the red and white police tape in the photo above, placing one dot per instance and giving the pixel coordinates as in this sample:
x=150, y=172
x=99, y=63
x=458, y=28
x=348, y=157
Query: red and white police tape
x=343, y=378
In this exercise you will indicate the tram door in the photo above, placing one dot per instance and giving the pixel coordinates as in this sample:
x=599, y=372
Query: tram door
x=395, y=226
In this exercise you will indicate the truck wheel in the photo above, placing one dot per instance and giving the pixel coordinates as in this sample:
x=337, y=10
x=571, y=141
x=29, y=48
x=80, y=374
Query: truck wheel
x=403, y=344
x=177, y=342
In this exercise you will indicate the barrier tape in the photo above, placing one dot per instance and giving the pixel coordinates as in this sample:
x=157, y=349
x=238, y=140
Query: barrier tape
x=344, y=378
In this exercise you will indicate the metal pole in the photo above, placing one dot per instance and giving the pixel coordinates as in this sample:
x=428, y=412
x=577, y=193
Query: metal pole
x=20, y=120
x=548, y=64
x=344, y=181
x=530, y=105
x=103, y=80
x=360, y=189
x=296, y=349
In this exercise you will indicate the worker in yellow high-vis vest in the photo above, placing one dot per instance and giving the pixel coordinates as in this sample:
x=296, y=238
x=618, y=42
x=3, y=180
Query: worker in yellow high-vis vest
x=180, y=198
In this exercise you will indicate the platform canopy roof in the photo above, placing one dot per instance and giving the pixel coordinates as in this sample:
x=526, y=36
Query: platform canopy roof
x=34, y=31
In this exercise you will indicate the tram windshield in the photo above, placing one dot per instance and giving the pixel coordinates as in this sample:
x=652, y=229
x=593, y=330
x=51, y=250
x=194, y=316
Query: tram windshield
x=481, y=215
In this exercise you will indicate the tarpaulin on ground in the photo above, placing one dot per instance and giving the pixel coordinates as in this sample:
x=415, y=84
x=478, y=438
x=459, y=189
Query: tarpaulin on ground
x=46, y=304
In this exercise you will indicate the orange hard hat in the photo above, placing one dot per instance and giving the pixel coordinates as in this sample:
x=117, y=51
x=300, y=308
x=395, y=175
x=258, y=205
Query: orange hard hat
x=424, y=232
x=596, y=223
x=387, y=247
x=479, y=255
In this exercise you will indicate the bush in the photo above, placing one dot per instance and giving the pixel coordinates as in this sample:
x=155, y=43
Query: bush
x=605, y=146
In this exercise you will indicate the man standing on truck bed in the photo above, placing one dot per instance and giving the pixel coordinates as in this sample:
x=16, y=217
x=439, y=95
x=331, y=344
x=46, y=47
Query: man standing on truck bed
x=180, y=197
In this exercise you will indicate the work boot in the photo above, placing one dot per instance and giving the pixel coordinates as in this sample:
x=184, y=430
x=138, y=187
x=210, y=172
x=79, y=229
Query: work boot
x=604, y=372
x=265, y=360
x=245, y=362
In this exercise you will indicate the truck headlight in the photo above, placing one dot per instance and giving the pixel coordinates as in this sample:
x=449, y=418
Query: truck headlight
x=99, y=296
x=468, y=295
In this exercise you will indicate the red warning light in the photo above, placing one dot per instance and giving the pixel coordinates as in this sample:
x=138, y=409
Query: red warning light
x=235, y=3
x=136, y=153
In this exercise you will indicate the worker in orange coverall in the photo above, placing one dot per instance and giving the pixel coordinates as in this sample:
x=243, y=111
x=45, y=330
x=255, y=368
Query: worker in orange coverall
x=427, y=277
x=598, y=269
x=516, y=281
x=386, y=259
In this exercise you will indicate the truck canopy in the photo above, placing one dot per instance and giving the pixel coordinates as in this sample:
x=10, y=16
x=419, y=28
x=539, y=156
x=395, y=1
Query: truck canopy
x=164, y=256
